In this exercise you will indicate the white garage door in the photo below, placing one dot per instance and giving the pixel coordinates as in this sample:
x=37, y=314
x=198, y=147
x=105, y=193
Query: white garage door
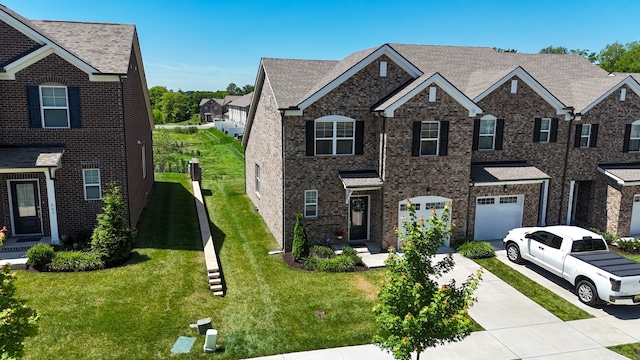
x=496, y=215
x=424, y=206
x=635, y=216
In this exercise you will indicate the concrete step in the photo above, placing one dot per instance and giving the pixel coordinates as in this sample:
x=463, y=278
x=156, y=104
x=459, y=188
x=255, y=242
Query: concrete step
x=217, y=281
x=214, y=275
x=218, y=293
x=216, y=287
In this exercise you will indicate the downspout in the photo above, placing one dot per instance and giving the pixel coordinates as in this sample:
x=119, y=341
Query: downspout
x=564, y=171
x=383, y=147
x=284, y=237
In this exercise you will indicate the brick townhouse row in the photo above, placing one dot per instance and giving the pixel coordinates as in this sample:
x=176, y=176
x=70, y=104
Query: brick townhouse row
x=74, y=116
x=507, y=140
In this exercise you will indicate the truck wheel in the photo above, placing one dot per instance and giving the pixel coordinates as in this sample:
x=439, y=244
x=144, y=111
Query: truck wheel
x=513, y=253
x=587, y=293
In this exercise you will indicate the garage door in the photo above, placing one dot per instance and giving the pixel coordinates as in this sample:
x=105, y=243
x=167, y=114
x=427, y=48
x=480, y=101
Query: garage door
x=496, y=215
x=635, y=216
x=424, y=206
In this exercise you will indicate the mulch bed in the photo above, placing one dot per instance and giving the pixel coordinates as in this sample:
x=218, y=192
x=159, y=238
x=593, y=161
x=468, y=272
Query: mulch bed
x=289, y=260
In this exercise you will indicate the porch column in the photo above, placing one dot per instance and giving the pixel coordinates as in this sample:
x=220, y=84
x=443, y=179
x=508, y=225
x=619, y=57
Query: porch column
x=543, y=208
x=572, y=186
x=51, y=199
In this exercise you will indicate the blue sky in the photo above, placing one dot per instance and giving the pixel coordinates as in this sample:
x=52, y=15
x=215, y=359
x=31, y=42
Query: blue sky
x=205, y=45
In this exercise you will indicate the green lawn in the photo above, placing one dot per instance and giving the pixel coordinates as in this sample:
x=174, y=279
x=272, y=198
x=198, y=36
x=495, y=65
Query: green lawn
x=137, y=311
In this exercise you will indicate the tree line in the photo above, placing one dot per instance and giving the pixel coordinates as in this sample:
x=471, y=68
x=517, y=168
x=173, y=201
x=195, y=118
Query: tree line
x=616, y=57
x=170, y=106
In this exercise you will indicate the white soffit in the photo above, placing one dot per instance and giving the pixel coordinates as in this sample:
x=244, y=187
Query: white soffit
x=629, y=81
x=531, y=82
x=383, y=50
x=439, y=80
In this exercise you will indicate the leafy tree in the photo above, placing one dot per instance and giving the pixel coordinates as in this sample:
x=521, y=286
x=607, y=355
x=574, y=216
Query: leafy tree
x=233, y=89
x=300, y=247
x=413, y=312
x=247, y=89
x=155, y=95
x=173, y=106
x=112, y=239
x=17, y=321
x=164, y=148
x=620, y=58
x=591, y=56
x=505, y=50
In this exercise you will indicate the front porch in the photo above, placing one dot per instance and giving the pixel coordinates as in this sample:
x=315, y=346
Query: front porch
x=14, y=250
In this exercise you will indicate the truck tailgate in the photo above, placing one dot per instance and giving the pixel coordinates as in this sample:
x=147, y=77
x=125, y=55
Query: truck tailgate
x=610, y=262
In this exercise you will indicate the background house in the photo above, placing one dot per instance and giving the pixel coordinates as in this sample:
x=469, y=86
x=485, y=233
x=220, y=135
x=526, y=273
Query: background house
x=238, y=109
x=75, y=116
x=505, y=139
x=212, y=109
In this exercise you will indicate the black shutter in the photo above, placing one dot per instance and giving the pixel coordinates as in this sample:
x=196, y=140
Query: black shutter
x=476, y=134
x=553, y=132
x=310, y=138
x=415, y=141
x=444, y=138
x=627, y=137
x=33, y=104
x=74, y=107
x=499, y=133
x=576, y=142
x=359, y=137
x=593, y=140
x=537, y=124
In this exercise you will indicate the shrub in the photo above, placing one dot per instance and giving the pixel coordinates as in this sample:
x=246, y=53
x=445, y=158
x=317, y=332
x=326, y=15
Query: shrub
x=339, y=263
x=455, y=244
x=477, y=250
x=75, y=261
x=321, y=251
x=185, y=129
x=607, y=236
x=300, y=247
x=112, y=239
x=40, y=255
x=631, y=245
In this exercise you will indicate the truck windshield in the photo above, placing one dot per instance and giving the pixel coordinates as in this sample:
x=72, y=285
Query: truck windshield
x=588, y=244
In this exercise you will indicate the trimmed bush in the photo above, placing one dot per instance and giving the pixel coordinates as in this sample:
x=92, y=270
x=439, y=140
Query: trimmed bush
x=632, y=245
x=456, y=243
x=112, y=239
x=477, y=250
x=339, y=263
x=323, y=252
x=75, y=261
x=39, y=256
x=300, y=247
x=607, y=236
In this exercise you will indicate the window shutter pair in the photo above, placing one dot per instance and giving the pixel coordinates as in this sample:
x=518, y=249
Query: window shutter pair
x=553, y=130
x=310, y=138
x=443, y=140
x=33, y=104
x=499, y=134
x=593, y=137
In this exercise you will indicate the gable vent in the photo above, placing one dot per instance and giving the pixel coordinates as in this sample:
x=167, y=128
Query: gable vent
x=623, y=94
x=514, y=86
x=383, y=68
x=432, y=94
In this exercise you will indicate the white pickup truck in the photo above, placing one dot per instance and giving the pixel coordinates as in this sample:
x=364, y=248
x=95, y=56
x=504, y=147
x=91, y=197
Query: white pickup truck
x=581, y=257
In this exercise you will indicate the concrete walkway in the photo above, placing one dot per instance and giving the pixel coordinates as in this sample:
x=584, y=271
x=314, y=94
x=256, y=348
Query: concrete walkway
x=516, y=327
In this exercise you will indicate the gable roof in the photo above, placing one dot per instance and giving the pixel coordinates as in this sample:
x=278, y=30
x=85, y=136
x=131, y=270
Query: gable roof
x=96, y=48
x=242, y=101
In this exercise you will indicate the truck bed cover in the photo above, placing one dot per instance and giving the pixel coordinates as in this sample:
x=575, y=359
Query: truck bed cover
x=610, y=262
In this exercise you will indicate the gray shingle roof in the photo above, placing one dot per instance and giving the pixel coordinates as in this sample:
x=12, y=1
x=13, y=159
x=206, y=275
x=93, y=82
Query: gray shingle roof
x=30, y=157
x=360, y=179
x=571, y=78
x=624, y=172
x=504, y=172
x=243, y=101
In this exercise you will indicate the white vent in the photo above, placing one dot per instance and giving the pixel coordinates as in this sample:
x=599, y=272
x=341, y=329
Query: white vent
x=623, y=94
x=514, y=86
x=432, y=94
x=383, y=68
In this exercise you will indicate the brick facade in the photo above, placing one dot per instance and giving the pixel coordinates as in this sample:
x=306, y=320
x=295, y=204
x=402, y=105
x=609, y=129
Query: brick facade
x=388, y=151
x=114, y=125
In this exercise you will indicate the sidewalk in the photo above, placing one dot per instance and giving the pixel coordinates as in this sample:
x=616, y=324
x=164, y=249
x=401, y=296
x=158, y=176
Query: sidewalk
x=516, y=327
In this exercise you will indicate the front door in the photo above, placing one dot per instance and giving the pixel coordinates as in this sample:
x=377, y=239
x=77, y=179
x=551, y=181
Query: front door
x=26, y=207
x=359, y=218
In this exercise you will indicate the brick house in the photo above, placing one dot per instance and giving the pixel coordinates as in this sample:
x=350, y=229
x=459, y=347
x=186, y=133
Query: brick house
x=75, y=115
x=211, y=109
x=239, y=109
x=507, y=140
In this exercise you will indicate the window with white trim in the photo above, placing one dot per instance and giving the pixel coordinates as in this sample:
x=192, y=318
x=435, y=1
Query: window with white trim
x=54, y=106
x=634, y=139
x=585, y=135
x=429, y=136
x=257, y=178
x=310, y=203
x=487, y=133
x=91, y=181
x=545, y=130
x=335, y=136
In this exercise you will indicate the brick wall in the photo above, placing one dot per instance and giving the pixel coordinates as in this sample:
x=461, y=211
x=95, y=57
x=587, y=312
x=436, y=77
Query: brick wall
x=13, y=43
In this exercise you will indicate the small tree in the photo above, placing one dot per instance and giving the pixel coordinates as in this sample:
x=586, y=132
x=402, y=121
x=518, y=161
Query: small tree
x=300, y=247
x=112, y=239
x=413, y=312
x=17, y=321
